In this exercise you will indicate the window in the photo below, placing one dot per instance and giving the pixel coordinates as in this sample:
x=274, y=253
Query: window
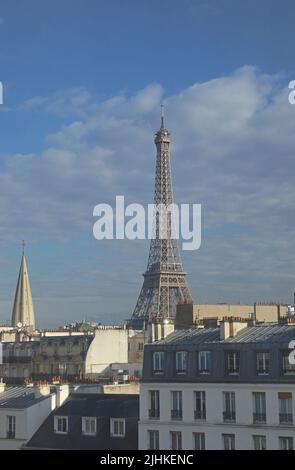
x=62, y=368
x=204, y=362
x=199, y=440
x=228, y=441
x=158, y=362
x=10, y=427
x=259, y=442
x=229, y=406
x=60, y=424
x=117, y=427
x=288, y=368
x=69, y=347
x=259, y=406
x=286, y=443
x=176, y=405
x=175, y=440
x=88, y=426
x=233, y=362
x=262, y=362
x=181, y=362
x=153, y=439
x=285, y=408
x=140, y=346
x=154, y=403
x=200, y=405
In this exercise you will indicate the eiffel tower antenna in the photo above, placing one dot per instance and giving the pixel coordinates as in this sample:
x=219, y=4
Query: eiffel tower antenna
x=164, y=282
x=162, y=116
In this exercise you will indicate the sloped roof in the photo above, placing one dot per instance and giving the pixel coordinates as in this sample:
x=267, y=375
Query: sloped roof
x=102, y=407
x=266, y=332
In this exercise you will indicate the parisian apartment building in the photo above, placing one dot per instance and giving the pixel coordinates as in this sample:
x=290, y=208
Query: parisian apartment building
x=228, y=387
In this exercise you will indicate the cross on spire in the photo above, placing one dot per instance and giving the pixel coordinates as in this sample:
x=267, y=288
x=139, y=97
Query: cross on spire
x=23, y=246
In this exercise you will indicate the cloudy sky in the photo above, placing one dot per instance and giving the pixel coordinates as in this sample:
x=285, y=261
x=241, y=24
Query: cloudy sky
x=83, y=83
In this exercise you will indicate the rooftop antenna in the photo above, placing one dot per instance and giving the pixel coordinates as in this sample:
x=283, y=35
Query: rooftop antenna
x=162, y=116
x=23, y=246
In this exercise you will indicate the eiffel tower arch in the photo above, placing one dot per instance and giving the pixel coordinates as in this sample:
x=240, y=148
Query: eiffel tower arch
x=164, y=282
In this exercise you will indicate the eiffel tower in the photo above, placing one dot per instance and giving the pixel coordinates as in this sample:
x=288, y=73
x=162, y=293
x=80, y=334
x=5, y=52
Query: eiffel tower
x=164, y=282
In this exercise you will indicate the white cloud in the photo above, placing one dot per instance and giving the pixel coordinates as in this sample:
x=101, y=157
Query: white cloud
x=233, y=144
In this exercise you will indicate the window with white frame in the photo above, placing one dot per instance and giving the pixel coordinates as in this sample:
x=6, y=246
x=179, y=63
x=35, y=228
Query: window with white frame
x=199, y=440
x=259, y=442
x=181, y=362
x=285, y=443
x=285, y=407
x=228, y=441
x=175, y=440
x=229, y=407
x=233, y=362
x=158, y=362
x=200, y=404
x=259, y=407
x=88, y=426
x=288, y=368
x=117, y=427
x=154, y=404
x=204, y=362
x=176, y=404
x=10, y=427
x=61, y=424
x=153, y=440
x=262, y=362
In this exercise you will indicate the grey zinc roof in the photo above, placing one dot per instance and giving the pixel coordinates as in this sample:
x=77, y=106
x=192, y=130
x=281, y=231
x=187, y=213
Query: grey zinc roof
x=265, y=333
x=272, y=333
x=19, y=397
x=191, y=336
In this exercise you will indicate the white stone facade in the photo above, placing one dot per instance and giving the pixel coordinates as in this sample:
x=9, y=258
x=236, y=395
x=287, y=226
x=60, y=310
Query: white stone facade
x=272, y=434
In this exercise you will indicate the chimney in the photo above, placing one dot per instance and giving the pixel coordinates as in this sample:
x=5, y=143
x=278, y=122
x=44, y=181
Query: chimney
x=42, y=390
x=279, y=313
x=230, y=326
x=255, y=313
x=2, y=386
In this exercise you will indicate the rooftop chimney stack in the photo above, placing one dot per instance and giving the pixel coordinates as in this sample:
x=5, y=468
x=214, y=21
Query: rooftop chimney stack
x=230, y=326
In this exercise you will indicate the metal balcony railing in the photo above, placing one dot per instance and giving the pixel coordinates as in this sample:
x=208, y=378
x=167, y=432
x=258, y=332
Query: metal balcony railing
x=176, y=414
x=16, y=359
x=286, y=418
x=259, y=418
x=263, y=371
x=200, y=414
x=154, y=413
x=229, y=416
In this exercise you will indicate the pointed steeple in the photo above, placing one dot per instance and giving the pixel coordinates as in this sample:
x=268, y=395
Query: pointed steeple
x=23, y=309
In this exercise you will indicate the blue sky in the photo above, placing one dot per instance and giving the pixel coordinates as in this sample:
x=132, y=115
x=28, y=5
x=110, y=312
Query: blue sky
x=83, y=81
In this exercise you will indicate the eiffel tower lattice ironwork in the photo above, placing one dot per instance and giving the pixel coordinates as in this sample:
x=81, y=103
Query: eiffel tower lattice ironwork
x=164, y=280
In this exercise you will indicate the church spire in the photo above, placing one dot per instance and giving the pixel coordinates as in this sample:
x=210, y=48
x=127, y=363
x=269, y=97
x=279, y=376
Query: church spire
x=23, y=309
